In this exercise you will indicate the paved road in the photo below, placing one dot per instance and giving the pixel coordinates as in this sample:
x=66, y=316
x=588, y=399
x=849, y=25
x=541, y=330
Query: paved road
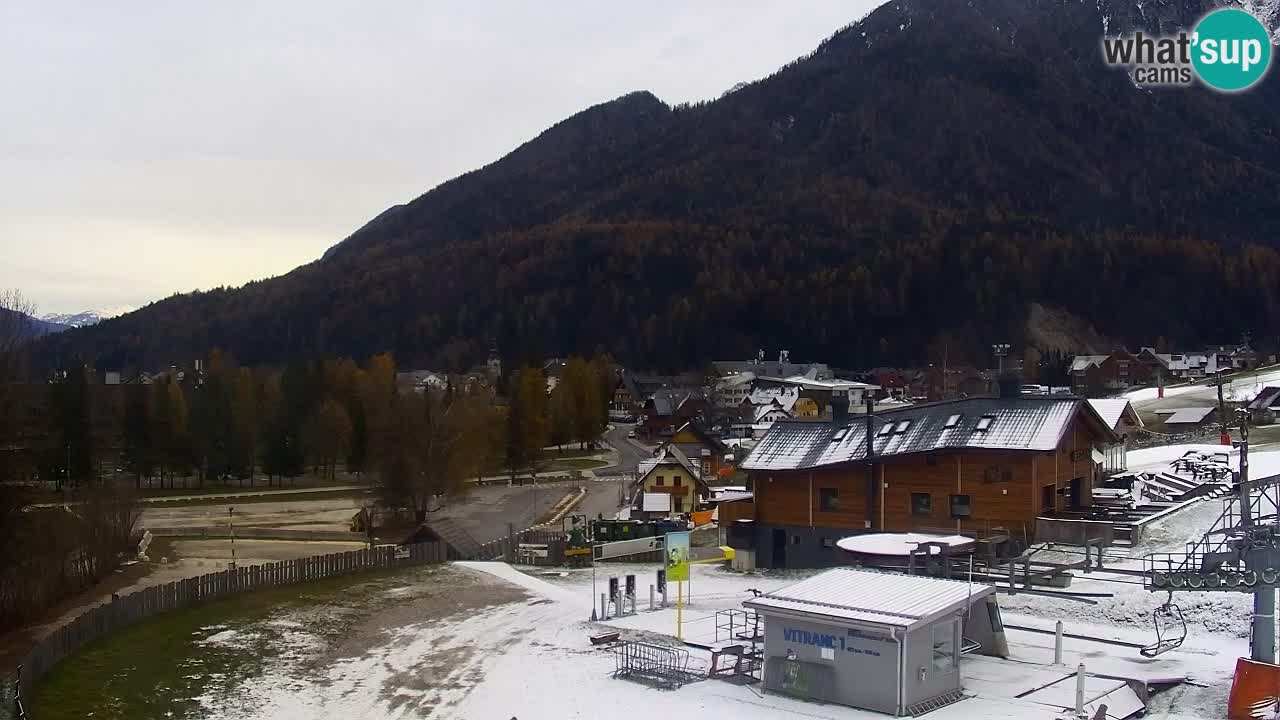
x=629, y=452
x=1239, y=387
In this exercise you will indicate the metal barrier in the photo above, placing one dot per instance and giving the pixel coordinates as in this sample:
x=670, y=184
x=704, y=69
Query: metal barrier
x=658, y=666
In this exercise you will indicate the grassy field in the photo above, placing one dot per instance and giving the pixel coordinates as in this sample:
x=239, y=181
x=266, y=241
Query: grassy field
x=164, y=666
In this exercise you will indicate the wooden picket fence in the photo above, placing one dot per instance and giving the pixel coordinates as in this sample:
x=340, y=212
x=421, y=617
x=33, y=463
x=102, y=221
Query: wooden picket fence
x=125, y=610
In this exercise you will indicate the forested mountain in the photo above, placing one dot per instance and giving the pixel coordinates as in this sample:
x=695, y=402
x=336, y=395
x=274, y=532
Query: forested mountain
x=920, y=179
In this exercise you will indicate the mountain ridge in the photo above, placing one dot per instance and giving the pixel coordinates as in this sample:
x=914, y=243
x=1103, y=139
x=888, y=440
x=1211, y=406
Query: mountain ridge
x=950, y=162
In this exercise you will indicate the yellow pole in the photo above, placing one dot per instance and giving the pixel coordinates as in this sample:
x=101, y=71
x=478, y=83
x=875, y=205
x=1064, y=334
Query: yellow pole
x=680, y=610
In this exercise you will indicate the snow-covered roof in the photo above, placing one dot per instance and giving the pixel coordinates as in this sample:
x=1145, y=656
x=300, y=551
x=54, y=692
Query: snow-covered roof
x=784, y=397
x=668, y=455
x=1033, y=423
x=1082, y=362
x=763, y=411
x=1265, y=399
x=811, y=384
x=1185, y=416
x=1112, y=409
x=656, y=502
x=889, y=599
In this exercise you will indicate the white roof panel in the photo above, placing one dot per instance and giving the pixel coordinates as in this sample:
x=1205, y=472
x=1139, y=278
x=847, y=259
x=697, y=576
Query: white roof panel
x=1110, y=410
x=871, y=597
x=1188, y=415
x=656, y=502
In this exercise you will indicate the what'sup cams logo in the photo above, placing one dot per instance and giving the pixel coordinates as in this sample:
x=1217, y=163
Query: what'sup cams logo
x=1229, y=50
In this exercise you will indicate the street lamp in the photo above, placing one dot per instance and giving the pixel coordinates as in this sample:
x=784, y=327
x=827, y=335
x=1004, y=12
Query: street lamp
x=1000, y=350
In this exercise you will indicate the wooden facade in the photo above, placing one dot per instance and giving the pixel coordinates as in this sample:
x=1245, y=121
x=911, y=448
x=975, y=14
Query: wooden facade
x=930, y=492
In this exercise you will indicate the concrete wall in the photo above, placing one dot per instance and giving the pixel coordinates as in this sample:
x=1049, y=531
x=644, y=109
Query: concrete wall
x=808, y=552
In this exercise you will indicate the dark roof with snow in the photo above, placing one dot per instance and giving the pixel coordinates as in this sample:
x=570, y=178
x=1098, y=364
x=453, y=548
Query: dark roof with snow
x=1265, y=399
x=1022, y=423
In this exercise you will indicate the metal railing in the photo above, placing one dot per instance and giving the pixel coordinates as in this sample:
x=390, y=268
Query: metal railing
x=1218, y=559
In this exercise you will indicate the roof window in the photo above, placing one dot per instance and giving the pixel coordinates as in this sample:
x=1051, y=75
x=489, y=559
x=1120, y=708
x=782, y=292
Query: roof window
x=902, y=426
x=953, y=421
x=984, y=423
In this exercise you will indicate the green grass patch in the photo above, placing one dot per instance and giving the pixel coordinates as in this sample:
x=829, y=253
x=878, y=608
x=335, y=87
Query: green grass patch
x=159, y=667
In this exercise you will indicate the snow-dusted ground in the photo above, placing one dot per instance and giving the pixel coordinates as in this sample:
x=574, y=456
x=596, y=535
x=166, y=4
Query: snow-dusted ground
x=525, y=652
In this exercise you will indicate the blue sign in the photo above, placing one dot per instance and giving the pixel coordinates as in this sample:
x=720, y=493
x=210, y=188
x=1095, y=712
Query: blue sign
x=832, y=641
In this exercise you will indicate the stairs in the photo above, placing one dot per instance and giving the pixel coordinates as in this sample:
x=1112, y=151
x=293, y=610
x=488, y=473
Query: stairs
x=941, y=701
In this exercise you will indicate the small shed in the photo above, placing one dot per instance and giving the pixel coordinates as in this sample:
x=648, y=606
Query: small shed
x=879, y=641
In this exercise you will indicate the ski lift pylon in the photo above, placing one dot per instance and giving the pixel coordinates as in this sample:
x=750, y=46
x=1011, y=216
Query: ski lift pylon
x=1171, y=629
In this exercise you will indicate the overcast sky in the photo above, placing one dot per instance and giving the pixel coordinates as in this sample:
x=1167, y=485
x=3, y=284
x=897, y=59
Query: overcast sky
x=153, y=148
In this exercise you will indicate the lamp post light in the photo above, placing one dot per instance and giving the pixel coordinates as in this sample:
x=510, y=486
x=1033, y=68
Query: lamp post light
x=1000, y=350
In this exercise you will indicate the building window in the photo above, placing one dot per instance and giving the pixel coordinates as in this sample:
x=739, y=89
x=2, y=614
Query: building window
x=679, y=504
x=795, y=539
x=921, y=504
x=984, y=423
x=944, y=647
x=952, y=421
x=677, y=481
x=902, y=426
x=661, y=481
x=828, y=499
x=960, y=506
x=998, y=474
x=828, y=543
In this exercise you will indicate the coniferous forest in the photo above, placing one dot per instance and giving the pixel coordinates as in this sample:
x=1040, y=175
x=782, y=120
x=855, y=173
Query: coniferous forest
x=921, y=178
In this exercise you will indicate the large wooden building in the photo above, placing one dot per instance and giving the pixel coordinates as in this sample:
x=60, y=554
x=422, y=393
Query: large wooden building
x=976, y=466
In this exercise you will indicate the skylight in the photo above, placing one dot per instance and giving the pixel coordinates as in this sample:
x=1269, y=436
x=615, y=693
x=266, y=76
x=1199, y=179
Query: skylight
x=984, y=422
x=839, y=434
x=953, y=421
x=886, y=429
x=902, y=426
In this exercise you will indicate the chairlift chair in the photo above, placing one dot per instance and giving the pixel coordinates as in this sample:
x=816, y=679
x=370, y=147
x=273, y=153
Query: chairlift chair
x=1171, y=629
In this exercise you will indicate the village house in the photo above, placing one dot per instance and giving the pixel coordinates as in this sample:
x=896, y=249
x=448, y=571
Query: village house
x=670, y=485
x=667, y=410
x=1093, y=375
x=733, y=390
x=705, y=451
x=782, y=367
x=1119, y=415
x=979, y=466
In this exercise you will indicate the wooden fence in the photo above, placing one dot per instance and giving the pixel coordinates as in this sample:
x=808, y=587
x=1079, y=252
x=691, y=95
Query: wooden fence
x=125, y=610
x=507, y=548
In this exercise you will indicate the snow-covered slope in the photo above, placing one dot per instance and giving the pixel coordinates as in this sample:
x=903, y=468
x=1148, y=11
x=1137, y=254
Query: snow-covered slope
x=86, y=318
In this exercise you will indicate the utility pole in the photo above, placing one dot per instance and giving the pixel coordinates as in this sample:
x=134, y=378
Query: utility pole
x=1263, y=642
x=231, y=525
x=1223, y=423
x=873, y=491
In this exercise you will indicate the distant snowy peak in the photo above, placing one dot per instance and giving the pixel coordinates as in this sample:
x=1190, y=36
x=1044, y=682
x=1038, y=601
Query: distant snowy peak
x=1168, y=16
x=86, y=318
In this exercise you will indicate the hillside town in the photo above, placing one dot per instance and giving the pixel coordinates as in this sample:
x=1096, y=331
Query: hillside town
x=837, y=360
